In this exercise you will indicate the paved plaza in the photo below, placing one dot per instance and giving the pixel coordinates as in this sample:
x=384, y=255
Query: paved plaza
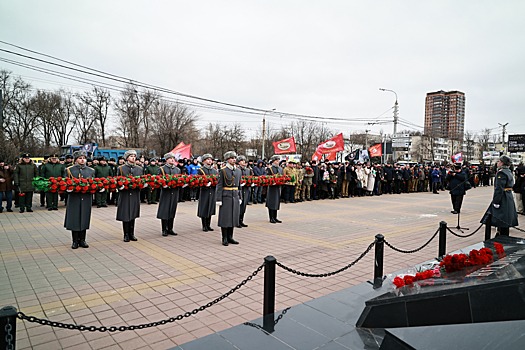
x=115, y=283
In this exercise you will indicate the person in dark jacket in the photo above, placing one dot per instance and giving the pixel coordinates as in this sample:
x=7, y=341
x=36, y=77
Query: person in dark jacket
x=52, y=168
x=245, y=190
x=502, y=207
x=25, y=171
x=207, y=195
x=78, y=207
x=456, y=184
x=258, y=170
x=128, y=208
x=6, y=186
x=102, y=169
x=519, y=189
x=169, y=197
x=228, y=198
x=273, y=197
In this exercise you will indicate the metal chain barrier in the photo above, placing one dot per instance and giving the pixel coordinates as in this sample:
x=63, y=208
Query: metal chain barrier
x=413, y=250
x=255, y=325
x=8, y=336
x=45, y=322
x=517, y=228
x=464, y=236
x=329, y=273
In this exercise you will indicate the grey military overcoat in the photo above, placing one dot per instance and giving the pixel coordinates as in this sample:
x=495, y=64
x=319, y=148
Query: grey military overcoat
x=78, y=208
x=245, y=190
x=128, y=207
x=207, y=195
x=168, y=196
x=273, y=196
x=228, y=193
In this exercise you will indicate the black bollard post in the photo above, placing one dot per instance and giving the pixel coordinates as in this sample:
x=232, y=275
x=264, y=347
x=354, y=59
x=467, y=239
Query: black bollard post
x=378, y=261
x=442, y=239
x=269, y=293
x=488, y=226
x=8, y=327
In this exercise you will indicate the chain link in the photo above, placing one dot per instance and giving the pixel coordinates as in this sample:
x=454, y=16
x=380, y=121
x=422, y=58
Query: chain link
x=8, y=336
x=517, y=228
x=45, y=322
x=464, y=236
x=304, y=274
x=413, y=250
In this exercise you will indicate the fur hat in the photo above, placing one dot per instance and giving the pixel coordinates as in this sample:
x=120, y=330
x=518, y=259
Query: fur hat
x=77, y=154
x=505, y=160
x=230, y=154
x=241, y=157
x=274, y=158
x=129, y=153
x=206, y=156
x=170, y=155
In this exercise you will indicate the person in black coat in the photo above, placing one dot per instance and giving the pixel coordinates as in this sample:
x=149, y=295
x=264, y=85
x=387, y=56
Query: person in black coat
x=128, y=208
x=456, y=184
x=78, y=207
x=228, y=198
x=169, y=197
x=245, y=190
x=273, y=198
x=207, y=194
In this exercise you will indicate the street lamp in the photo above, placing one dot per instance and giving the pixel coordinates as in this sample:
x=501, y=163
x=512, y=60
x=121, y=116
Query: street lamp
x=396, y=110
x=264, y=131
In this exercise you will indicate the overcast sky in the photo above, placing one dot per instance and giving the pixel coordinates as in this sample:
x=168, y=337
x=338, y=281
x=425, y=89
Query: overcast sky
x=318, y=58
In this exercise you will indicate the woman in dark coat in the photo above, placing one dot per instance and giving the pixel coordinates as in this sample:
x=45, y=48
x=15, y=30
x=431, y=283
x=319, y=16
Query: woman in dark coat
x=228, y=198
x=78, y=207
x=456, y=184
x=168, y=197
x=273, y=196
x=207, y=194
x=128, y=208
x=502, y=207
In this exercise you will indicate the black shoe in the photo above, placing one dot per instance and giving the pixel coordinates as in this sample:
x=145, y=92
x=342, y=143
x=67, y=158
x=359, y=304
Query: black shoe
x=272, y=220
x=232, y=241
x=83, y=244
x=454, y=212
x=1, y=210
x=238, y=226
x=9, y=210
x=49, y=209
x=99, y=206
x=29, y=210
x=172, y=233
x=205, y=228
x=22, y=210
x=126, y=238
x=277, y=221
x=243, y=224
x=133, y=238
x=164, y=233
x=42, y=205
x=74, y=245
x=55, y=208
x=210, y=229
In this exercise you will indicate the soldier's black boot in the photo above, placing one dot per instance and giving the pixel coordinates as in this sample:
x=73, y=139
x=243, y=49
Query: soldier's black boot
x=125, y=227
x=241, y=221
x=504, y=231
x=204, y=222
x=230, y=236
x=74, y=235
x=82, y=239
x=224, y=236
x=164, y=227
x=208, y=223
x=132, y=231
x=270, y=214
x=170, y=227
x=275, y=217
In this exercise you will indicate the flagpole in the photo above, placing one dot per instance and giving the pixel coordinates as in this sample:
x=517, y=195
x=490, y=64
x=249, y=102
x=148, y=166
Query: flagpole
x=264, y=131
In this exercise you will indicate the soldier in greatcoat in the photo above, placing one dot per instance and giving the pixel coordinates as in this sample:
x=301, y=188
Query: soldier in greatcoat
x=102, y=169
x=169, y=197
x=245, y=190
x=78, y=207
x=128, y=208
x=228, y=197
x=52, y=168
x=273, y=196
x=502, y=207
x=206, y=207
x=25, y=171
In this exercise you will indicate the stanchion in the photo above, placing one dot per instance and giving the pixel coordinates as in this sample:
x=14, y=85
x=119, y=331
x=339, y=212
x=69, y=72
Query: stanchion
x=488, y=226
x=378, y=260
x=8, y=327
x=269, y=293
x=442, y=239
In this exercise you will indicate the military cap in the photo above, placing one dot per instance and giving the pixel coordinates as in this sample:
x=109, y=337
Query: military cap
x=54, y=155
x=129, y=153
x=206, y=156
x=153, y=159
x=69, y=156
x=505, y=160
x=77, y=154
x=25, y=155
x=274, y=158
x=112, y=159
x=102, y=158
x=62, y=158
x=241, y=157
x=230, y=154
x=170, y=155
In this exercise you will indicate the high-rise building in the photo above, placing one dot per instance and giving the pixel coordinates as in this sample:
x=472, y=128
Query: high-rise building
x=445, y=114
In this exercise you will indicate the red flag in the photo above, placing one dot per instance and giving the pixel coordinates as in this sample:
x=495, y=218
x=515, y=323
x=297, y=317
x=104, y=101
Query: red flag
x=375, y=150
x=335, y=144
x=181, y=144
x=330, y=156
x=284, y=146
x=182, y=151
x=317, y=155
x=457, y=158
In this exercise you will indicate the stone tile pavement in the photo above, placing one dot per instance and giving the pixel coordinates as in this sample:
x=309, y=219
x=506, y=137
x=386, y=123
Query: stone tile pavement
x=115, y=283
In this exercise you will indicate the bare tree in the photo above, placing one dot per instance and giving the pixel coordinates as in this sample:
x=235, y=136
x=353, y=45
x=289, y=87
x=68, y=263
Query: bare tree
x=64, y=120
x=220, y=138
x=99, y=100
x=45, y=106
x=86, y=119
x=484, y=139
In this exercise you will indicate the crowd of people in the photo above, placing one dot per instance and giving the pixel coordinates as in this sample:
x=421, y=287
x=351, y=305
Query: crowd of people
x=309, y=181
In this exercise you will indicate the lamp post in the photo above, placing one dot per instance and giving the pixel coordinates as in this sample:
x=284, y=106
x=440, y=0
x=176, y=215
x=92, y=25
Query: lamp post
x=396, y=111
x=264, y=131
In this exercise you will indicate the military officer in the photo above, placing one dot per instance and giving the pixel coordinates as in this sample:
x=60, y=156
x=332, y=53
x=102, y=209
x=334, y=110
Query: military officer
x=273, y=196
x=102, y=170
x=25, y=171
x=52, y=168
x=152, y=169
x=245, y=190
x=128, y=207
x=169, y=197
x=228, y=198
x=78, y=207
x=207, y=195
